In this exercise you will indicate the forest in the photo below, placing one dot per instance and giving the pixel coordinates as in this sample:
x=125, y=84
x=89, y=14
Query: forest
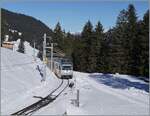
x=123, y=49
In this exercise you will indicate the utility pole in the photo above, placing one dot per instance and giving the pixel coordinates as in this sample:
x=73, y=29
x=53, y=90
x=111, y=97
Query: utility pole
x=44, y=55
x=51, y=56
x=44, y=58
x=52, y=49
x=44, y=48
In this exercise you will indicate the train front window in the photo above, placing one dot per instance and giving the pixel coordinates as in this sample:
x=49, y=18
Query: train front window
x=66, y=68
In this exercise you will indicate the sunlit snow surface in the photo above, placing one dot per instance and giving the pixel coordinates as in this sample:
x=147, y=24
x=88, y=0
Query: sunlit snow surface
x=100, y=94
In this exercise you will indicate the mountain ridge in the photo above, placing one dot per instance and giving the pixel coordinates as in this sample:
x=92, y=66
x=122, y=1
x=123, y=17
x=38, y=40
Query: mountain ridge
x=32, y=29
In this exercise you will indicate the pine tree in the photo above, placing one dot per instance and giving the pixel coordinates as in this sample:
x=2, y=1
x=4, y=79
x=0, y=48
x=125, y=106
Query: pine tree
x=117, y=53
x=109, y=36
x=143, y=35
x=77, y=55
x=58, y=35
x=121, y=42
x=134, y=42
x=21, y=47
x=87, y=56
x=68, y=44
x=145, y=52
x=99, y=38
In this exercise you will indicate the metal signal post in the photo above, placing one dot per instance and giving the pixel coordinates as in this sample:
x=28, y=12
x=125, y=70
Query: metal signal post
x=44, y=54
x=51, y=56
x=51, y=47
x=44, y=58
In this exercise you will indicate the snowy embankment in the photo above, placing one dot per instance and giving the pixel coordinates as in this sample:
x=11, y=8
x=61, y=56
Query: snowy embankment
x=20, y=81
x=28, y=49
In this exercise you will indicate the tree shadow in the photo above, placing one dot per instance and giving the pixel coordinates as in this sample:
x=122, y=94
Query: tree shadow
x=119, y=83
x=41, y=72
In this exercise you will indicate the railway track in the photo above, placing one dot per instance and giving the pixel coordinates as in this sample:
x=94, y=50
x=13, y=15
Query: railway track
x=29, y=110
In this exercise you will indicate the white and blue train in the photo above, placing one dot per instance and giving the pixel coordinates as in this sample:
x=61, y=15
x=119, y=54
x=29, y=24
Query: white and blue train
x=63, y=68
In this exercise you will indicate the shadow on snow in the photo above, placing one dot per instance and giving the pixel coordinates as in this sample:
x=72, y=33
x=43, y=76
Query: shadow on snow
x=119, y=83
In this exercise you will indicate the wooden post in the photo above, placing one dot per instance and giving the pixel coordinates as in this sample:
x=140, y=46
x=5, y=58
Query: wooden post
x=77, y=97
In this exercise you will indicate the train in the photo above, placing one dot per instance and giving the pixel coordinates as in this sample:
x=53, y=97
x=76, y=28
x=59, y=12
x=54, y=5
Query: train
x=63, y=68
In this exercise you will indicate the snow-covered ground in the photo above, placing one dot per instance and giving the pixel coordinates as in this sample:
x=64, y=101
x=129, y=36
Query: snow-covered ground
x=20, y=81
x=100, y=94
x=30, y=50
x=97, y=98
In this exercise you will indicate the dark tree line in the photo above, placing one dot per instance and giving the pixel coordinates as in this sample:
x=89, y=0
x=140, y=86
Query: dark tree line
x=123, y=48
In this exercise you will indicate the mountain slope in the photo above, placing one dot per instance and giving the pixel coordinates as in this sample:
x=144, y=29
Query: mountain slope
x=31, y=28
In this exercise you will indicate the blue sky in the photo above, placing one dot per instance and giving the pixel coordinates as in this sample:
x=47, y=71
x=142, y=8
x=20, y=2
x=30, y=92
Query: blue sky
x=73, y=15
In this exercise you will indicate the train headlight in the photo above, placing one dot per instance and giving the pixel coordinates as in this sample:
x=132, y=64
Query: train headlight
x=65, y=71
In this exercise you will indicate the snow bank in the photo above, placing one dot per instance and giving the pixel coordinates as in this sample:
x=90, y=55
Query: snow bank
x=16, y=44
x=99, y=98
x=30, y=50
x=20, y=81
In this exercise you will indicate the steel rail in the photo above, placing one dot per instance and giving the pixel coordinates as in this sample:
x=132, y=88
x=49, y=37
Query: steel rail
x=43, y=102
